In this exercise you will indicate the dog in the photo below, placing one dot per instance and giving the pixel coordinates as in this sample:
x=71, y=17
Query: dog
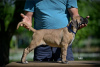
x=61, y=38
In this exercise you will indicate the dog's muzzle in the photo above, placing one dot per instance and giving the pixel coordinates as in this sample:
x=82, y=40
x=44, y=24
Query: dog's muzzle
x=84, y=21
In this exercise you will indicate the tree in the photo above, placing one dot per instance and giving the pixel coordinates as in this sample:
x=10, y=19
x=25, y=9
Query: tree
x=8, y=23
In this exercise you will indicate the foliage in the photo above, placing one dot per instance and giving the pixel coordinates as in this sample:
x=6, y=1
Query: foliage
x=7, y=9
x=88, y=8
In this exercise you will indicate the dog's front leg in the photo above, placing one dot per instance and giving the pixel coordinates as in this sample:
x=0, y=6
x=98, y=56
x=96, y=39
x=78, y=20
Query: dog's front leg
x=64, y=53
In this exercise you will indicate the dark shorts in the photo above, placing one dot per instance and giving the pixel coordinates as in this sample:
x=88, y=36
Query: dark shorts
x=47, y=53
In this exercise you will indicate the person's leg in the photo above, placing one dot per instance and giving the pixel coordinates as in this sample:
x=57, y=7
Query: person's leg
x=42, y=53
x=56, y=54
x=45, y=53
x=57, y=51
x=70, y=56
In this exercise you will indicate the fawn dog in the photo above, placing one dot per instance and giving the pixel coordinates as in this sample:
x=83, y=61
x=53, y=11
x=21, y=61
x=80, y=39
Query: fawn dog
x=61, y=38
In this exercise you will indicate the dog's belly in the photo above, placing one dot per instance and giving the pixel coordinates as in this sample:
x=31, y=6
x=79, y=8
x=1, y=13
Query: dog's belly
x=53, y=44
x=53, y=41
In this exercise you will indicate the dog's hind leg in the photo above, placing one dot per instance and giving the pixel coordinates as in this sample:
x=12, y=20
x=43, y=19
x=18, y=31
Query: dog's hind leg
x=27, y=51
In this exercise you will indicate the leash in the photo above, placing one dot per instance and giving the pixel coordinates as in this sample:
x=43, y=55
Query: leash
x=71, y=29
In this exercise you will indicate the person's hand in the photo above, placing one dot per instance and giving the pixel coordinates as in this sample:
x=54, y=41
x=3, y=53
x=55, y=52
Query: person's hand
x=84, y=25
x=26, y=20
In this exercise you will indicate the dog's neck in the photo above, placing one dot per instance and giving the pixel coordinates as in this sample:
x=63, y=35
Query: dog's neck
x=71, y=28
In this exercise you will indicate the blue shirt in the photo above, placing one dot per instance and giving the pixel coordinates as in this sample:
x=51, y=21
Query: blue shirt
x=50, y=14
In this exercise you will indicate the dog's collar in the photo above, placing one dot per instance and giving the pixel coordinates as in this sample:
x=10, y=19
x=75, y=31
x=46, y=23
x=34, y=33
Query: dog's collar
x=69, y=27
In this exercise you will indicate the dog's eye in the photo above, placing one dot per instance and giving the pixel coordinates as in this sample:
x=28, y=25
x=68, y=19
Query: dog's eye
x=81, y=19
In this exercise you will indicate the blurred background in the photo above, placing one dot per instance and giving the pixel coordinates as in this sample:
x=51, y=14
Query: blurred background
x=86, y=45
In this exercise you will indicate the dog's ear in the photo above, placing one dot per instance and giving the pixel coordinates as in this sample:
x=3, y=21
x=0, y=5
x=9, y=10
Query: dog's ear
x=74, y=23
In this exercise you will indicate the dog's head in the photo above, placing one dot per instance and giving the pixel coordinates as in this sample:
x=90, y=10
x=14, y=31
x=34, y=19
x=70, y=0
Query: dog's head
x=77, y=21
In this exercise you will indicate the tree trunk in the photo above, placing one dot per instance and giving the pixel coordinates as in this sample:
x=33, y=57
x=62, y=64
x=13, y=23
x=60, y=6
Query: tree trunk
x=5, y=36
x=4, y=45
x=4, y=49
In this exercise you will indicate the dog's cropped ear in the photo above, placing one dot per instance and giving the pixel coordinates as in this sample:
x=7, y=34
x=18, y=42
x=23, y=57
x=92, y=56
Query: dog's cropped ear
x=71, y=23
x=74, y=23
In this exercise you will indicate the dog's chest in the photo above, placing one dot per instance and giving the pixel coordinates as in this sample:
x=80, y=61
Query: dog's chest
x=72, y=40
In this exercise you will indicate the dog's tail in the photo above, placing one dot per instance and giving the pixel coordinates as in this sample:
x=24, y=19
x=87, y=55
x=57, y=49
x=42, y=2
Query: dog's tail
x=19, y=24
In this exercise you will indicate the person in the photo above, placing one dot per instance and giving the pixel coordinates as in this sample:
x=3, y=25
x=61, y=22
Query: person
x=50, y=14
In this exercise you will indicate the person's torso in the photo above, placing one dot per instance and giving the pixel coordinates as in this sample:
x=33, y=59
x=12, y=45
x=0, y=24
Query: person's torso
x=50, y=14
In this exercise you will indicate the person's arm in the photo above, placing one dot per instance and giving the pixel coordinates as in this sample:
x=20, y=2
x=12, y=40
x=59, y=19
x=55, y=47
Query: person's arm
x=27, y=18
x=74, y=12
x=29, y=10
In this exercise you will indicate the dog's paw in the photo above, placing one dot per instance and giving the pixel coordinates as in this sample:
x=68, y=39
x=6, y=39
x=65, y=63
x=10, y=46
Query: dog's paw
x=65, y=62
x=59, y=61
x=26, y=62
